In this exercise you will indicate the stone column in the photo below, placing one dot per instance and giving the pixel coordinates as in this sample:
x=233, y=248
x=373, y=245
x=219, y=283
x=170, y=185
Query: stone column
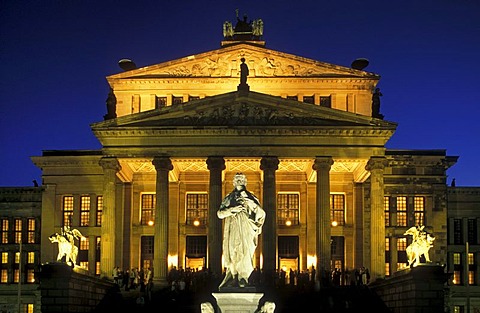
x=323, y=231
x=160, y=253
x=109, y=224
x=269, y=165
x=377, y=218
x=215, y=165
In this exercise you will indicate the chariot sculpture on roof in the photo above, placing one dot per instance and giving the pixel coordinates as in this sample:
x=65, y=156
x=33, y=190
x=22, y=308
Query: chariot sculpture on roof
x=243, y=30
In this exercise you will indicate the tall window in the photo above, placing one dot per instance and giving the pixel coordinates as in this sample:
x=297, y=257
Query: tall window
x=472, y=269
x=288, y=209
x=4, y=276
x=386, y=208
x=387, y=256
x=5, y=229
x=419, y=210
x=401, y=253
x=67, y=210
x=98, y=216
x=457, y=268
x=31, y=257
x=197, y=209
x=83, y=253
x=148, y=209
x=84, y=210
x=457, y=231
x=31, y=230
x=472, y=231
x=337, y=208
x=401, y=211
x=18, y=230
x=97, y=255
x=146, y=252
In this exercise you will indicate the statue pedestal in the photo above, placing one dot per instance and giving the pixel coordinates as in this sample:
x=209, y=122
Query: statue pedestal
x=238, y=302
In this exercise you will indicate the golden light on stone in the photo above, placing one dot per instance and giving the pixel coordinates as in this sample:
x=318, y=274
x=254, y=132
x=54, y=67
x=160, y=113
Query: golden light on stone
x=311, y=260
x=334, y=223
x=288, y=223
x=173, y=260
x=150, y=223
x=196, y=222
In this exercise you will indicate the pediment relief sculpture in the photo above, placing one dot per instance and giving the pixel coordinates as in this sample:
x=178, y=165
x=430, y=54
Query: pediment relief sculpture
x=261, y=62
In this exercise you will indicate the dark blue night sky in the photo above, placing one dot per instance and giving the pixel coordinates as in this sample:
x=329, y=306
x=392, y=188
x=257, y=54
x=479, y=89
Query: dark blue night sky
x=56, y=54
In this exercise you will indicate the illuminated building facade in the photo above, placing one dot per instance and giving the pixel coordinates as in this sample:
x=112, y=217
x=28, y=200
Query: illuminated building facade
x=307, y=137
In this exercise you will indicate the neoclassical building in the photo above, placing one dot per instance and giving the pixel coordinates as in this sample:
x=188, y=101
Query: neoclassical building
x=306, y=134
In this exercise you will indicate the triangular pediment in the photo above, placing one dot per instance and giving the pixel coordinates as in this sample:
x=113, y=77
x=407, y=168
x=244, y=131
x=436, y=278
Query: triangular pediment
x=224, y=62
x=239, y=109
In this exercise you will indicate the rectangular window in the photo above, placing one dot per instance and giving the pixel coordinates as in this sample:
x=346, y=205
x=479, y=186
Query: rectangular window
x=288, y=209
x=30, y=257
x=288, y=247
x=419, y=210
x=4, y=276
x=457, y=231
x=160, y=102
x=309, y=99
x=326, y=102
x=197, y=209
x=292, y=97
x=177, y=100
x=4, y=257
x=472, y=269
x=401, y=211
x=30, y=276
x=386, y=208
x=457, y=268
x=98, y=218
x=337, y=209
x=401, y=253
x=18, y=230
x=196, y=246
x=146, y=251
x=472, y=231
x=67, y=210
x=148, y=209
x=5, y=229
x=31, y=230
x=16, y=275
x=191, y=98
x=84, y=210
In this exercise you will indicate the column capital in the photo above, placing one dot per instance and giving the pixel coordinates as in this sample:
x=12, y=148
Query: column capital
x=216, y=163
x=110, y=163
x=162, y=163
x=269, y=163
x=322, y=162
x=376, y=163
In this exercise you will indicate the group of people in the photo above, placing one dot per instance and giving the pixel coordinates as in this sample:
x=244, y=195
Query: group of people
x=132, y=279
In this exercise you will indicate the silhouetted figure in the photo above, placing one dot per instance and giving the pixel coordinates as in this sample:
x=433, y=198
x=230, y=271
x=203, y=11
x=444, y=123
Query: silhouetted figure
x=35, y=183
x=243, y=75
x=376, y=103
x=111, y=106
x=453, y=183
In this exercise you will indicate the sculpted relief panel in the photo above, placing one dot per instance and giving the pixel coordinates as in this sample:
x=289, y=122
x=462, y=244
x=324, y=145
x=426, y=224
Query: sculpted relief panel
x=228, y=64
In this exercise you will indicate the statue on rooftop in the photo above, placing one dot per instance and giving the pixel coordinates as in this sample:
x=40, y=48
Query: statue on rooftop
x=111, y=106
x=376, y=103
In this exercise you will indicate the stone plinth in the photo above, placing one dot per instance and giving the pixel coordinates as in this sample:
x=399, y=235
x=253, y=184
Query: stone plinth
x=237, y=302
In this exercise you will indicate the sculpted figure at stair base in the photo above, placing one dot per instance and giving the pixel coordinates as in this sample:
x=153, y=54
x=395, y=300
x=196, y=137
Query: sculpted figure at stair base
x=243, y=220
x=421, y=244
